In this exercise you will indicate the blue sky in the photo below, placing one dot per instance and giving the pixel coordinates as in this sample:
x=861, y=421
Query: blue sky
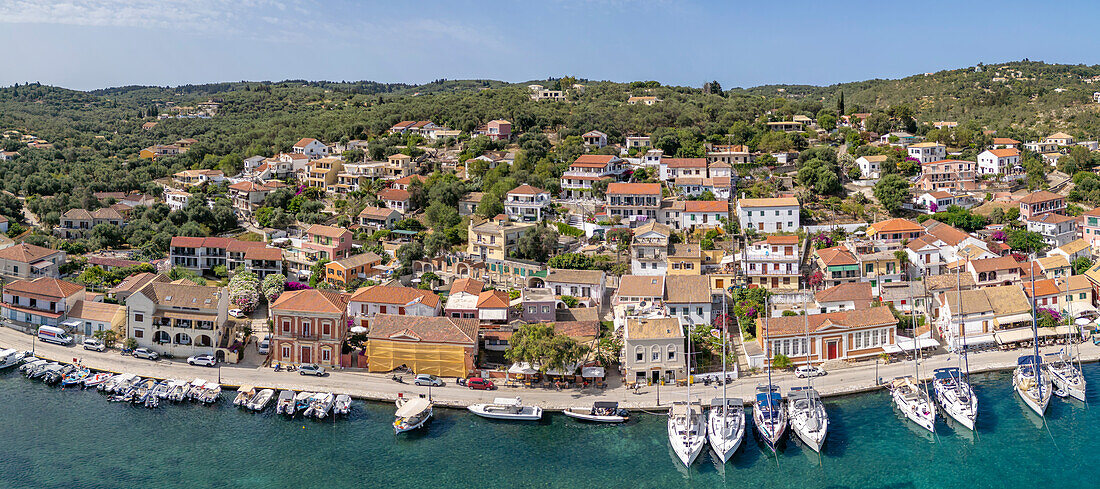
x=87, y=44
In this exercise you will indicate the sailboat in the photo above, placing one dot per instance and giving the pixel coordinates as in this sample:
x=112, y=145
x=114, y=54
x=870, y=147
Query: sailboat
x=910, y=395
x=1028, y=379
x=769, y=413
x=808, y=418
x=687, y=425
x=953, y=391
x=726, y=418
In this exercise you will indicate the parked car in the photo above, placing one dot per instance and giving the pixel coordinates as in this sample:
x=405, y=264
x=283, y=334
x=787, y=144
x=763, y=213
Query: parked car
x=478, y=383
x=146, y=354
x=808, y=371
x=237, y=313
x=427, y=379
x=265, y=345
x=94, y=344
x=311, y=369
x=205, y=360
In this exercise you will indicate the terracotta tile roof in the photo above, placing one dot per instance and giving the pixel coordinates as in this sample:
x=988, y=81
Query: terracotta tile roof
x=687, y=289
x=44, y=286
x=1040, y=196
x=26, y=253
x=492, y=299
x=327, y=231
x=312, y=301
x=421, y=329
x=398, y=296
x=858, y=318
x=836, y=256
x=685, y=162
x=641, y=286
x=526, y=190
x=858, y=292
x=467, y=285
x=706, y=206
x=634, y=189
x=772, y=202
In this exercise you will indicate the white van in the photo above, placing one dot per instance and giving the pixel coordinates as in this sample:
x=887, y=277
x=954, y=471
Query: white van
x=50, y=334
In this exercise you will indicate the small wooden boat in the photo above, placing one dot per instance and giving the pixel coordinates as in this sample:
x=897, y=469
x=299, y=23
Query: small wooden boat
x=600, y=412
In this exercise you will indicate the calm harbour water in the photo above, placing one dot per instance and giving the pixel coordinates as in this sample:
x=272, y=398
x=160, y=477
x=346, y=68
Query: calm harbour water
x=54, y=438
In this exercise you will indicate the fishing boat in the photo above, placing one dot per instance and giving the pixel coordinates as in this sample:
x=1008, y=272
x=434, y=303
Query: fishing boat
x=177, y=390
x=142, y=390
x=261, y=400
x=769, y=414
x=342, y=404
x=600, y=412
x=1030, y=383
x=161, y=390
x=1065, y=376
x=285, y=404
x=11, y=358
x=210, y=393
x=955, y=396
x=912, y=399
x=726, y=417
x=411, y=413
x=510, y=408
x=322, y=404
x=808, y=418
x=726, y=425
x=97, y=380
x=244, y=394
x=194, y=390
x=75, y=377
x=687, y=430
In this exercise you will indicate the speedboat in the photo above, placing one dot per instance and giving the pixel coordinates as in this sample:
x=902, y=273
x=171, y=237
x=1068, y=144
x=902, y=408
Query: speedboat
x=11, y=358
x=726, y=425
x=1067, y=378
x=194, y=390
x=411, y=413
x=507, y=408
x=210, y=392
x=261, y=400
x=769, y=414
x=955, y=396
x=161, y=390
x=285, y=404
x=97, y=380
x=687, y=430
x=75, y=377
x=177, y=390
x=1032, y=386
x=342, y=405
x=808, y=418
x=600, y=412
x=244, y=394
x=913, y=401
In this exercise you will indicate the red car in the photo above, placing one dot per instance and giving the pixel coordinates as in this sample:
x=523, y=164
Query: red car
x=479, y=383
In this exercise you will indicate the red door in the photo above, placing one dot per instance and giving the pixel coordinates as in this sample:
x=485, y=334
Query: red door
x=307, y=355
x=830, y=352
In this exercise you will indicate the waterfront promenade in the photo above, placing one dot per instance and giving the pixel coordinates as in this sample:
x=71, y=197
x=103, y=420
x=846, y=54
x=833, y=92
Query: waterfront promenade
x=380, y=387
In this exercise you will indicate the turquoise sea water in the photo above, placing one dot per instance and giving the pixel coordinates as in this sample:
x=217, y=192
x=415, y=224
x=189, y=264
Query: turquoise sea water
x=76, y=439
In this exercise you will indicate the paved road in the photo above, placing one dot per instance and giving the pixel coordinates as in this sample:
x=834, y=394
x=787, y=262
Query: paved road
x=379, y=386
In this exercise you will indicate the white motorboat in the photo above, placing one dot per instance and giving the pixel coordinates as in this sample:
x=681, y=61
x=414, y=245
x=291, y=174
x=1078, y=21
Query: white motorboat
x=245, y=393
x=285, y=404
x=600, y=412
x=687, y=430
x=769, y=414
x=177, y=390
x=342, y=404
x=726, y=425
x=322, y=404
x=913, y=401
x=261, y=400
x=507, y=408
x=808, y=418
x=955, y=396
x=411, y=413
x=97, y=380
x=11, y=358
x=194, y=390
x=1030, y=383
x=1066, y=377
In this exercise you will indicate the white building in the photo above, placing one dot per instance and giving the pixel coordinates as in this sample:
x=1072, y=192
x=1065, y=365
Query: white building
x=769, y=215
